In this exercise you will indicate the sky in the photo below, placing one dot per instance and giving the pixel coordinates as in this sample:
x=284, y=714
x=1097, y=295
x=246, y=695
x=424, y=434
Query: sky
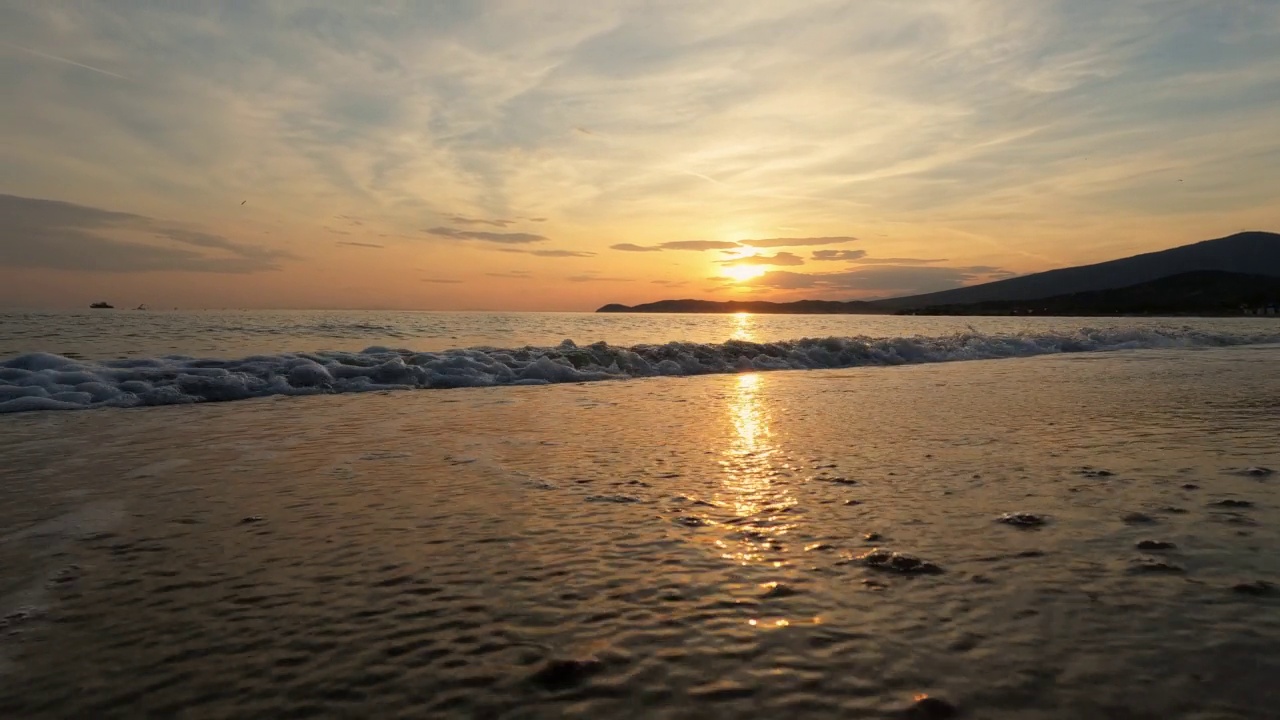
x=461, y=155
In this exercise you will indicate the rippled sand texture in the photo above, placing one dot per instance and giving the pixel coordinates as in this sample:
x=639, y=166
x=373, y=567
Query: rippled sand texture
x=718, y=546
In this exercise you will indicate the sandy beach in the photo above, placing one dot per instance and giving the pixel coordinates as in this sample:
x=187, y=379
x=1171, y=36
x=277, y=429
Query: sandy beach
x=703, y=547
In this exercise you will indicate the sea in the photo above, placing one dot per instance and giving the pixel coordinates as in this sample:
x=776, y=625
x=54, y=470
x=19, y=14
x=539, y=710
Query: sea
x=107, y=358
x=528, y=516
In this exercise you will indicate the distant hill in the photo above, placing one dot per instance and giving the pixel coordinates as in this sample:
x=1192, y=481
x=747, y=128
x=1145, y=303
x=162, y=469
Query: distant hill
x=760, y=307
x=1256, y=253
x=1246, y=253
x=1203, y=292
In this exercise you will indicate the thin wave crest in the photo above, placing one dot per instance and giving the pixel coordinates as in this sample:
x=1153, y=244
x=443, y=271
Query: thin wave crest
x=41, y=381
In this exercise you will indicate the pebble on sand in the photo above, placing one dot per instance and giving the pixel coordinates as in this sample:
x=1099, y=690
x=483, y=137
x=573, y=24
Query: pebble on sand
x=691, y=521
x=251, y=519
x=1155, y=545
x=65, y=575
x=560, y=673
x=19, y=616
x=898, y=562
x=1022, y=519
x=1135, y=518
x=778, y=590
x=612, y=499
x=926, y=707
x=1231, y=502
x=1259, y=471
x=1257, y=587
x=1147, y=566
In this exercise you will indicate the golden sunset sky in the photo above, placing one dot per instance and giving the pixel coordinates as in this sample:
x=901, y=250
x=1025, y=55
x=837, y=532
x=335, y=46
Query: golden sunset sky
x=558, y=156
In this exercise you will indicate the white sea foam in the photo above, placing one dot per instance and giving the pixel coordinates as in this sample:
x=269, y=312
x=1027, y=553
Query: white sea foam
x=40, y=381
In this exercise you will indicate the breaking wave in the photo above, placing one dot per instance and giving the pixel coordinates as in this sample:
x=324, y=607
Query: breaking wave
x=40, y=381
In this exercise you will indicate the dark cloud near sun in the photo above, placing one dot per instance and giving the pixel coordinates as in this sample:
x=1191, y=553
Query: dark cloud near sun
x=591, y=277
x=900, y=261
x=513, y=238
x=494, y=222
x=845, y=255
x=550, y=253
x=632, y=247
x=705, y=245
x=860, y=257
x=782, y=258
x=463, y=220
x=441, y=281
x=699, y=245
x=52, y=234
x=798, y=242
x=352, y=243
x=884, y=279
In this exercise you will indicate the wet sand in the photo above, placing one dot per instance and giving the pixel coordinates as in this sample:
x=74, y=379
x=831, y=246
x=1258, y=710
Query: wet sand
x=796, y=544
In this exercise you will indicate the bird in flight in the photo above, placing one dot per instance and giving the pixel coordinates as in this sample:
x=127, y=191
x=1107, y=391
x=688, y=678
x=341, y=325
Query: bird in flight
x=243, y=202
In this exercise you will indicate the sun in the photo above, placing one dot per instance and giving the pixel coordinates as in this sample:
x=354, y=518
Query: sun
x=742, y=273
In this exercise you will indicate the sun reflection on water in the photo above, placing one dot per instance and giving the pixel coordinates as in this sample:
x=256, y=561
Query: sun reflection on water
x=754, y=485
x=744, y=327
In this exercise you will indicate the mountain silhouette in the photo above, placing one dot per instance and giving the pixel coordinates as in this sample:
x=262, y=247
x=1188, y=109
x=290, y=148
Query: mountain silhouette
x=1201, y=292
x=1254, y=253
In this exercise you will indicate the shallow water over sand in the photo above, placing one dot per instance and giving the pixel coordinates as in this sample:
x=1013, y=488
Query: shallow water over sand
x=673, y=547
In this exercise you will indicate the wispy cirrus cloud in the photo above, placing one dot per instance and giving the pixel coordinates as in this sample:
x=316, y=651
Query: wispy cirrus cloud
x=68, y=61
x=353, y=243
x=52, y=234
x=512, y=238
x=1001, y=132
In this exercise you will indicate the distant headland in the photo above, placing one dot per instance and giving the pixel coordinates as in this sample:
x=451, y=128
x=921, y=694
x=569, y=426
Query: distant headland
x=1238, y=274
x=761, y=307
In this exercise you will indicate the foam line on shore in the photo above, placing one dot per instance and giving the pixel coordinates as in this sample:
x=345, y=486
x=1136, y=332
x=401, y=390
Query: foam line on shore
x=41, y=381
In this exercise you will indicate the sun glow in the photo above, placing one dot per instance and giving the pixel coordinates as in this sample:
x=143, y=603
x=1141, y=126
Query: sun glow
x=741, y=273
